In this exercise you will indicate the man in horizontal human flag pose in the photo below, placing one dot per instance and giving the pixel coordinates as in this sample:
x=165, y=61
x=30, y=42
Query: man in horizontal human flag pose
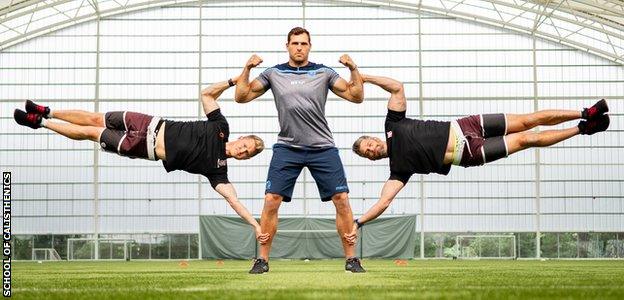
x=423, y=147
x=198, y=147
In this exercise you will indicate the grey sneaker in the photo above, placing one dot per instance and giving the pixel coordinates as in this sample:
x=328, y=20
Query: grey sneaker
x=260, y=266
x=354, y=265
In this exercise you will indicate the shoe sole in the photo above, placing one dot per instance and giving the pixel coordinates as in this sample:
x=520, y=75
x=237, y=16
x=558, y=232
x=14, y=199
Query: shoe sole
x=605, y=105
x=608, y=122
x=26, y=107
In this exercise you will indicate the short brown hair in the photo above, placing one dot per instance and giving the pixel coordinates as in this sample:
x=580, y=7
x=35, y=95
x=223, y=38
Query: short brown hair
x=298, y=31
x=356, y=145
x=258, y=142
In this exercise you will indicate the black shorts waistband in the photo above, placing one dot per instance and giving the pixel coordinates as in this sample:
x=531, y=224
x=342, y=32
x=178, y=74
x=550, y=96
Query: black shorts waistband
x=160, y=123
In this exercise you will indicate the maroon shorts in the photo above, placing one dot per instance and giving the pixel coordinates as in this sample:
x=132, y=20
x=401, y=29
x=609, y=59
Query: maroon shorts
x=130, y=134
x=485, y=138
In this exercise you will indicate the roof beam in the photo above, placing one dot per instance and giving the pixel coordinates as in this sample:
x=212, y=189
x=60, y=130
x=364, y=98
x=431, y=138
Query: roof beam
x=17, y=5
x=34, y=8
x=457, y=9
x=85, y=18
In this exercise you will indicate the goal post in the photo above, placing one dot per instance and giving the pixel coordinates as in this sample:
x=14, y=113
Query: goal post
x=80, y=248
x=84, y=248
x=45, y=254
x=486, y=246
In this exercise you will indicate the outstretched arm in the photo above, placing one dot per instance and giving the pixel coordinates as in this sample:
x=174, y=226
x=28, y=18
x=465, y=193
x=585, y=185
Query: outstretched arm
x=210, y=94
x=397, y=100
x=229, y=193
x=245, y=90
x=354, y=89
x=390, y=189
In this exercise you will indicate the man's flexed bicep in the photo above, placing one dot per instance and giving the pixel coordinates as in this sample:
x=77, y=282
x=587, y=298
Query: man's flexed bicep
x=353, y=90
x=210, y=94
x=397, y=100
x=245, y=90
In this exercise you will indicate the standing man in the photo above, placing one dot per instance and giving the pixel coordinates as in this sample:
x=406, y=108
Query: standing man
x=423, y=147
x=198, y=147
x=300, y=90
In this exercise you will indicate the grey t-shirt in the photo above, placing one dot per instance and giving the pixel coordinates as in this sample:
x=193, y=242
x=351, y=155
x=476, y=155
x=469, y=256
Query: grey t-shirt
x=300, y=96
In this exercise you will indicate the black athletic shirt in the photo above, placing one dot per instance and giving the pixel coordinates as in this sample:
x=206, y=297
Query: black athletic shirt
x=198, y=147
x=415, y=146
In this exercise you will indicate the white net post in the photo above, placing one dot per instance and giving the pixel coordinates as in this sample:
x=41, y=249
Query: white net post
x=45, y=254
x=84, y=248
x=80, y=249
x=486, y=246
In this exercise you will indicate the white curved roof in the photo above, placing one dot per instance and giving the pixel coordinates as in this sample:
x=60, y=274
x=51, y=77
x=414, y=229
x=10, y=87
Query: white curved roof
x=595, y=26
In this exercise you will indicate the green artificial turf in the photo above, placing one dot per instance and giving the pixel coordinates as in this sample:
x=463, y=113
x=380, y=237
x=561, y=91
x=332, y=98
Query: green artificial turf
x=320, y=279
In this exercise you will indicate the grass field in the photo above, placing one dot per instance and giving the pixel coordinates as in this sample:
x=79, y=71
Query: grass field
x=321, y=279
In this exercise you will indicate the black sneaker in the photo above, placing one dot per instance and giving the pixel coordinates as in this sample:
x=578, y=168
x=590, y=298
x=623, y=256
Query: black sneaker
x=596, y=110
x=260, y=266
x=598, y=124
x=354, y=265
x=31, y=120
x=32, y=107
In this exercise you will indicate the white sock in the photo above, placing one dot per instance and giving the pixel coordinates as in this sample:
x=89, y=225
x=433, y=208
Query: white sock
x=44, y=122
x=51, y=114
